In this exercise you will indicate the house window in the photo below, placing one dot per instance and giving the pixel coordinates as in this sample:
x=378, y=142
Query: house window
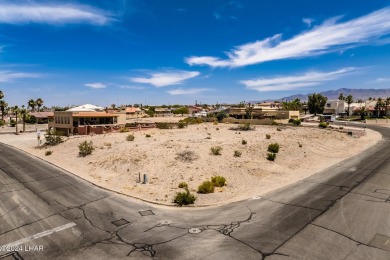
x=328, y=105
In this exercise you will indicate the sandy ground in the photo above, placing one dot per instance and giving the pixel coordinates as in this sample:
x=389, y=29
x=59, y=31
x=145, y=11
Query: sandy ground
x=117, y=163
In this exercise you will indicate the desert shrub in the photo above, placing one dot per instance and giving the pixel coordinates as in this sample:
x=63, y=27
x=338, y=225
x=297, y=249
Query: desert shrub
x=130, y=137
x=216, y=150
x=186, y=156
x=278, y=129
x=221, y=115
x=322, y=125
x=297, y=122
x=2, y=122
x=85, y=148
x=54, y=137
x=273, y=148
x=244, y=127
x=206, y=187
x=148, y=135
x=271, y=156
x=291, y=120
x=184, y=198
x=164, y=125
x=300, y=145
x=192, y=120
x=244, y=142
x=217, y=128
x=124, y=130
x=215, y=123
x=47, y=153
x=183, y=185
x=237, y=153
x=341, y=127
x=268, y=136
x=108, y=144
x=218, y=181
x=181, y=125
x=12, y=123
x=274, y=123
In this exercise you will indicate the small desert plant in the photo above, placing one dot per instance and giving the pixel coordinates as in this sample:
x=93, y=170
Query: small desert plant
x=218, y=181
x=273, y=148
x=148, y=135
x=47, y=153
x=271, y=156
x=297, y=122
x=274, y=123
x=181, y=125
x=268, y=136
x=186, y=156
x=215, y=123
x=2, y=122
x=300, y=145
x=124, y=130
x=341, y=127
x=164, y=125
x=130, y=137
x=85, y=148
x=237, y=153
x=206, y=187
x=12, y=123
x=53, y=137
x=291, y=120
x=184, y=198
x=278, y=129
x=183, y=185
x=322, y=125
x=244, y=142
x=216, y=150
x=108, y=144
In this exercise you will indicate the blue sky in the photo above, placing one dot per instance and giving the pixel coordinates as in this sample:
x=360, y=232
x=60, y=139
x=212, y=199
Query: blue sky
x=169, y=52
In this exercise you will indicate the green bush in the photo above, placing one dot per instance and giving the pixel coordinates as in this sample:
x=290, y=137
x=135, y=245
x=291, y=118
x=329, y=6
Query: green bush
x=148, y=135
x=183, y=185
x=244, y=142
x=181, y=125
x=85, y=148
x=130, y=137
x=273, y=148
x=184, y=198
x=274, y=123
x=216, y=150
x=271, y=156
x=322, y=125
x=237, y=153
x=215, y=123
x=268, y=136
x=297, y=122
x=12, y=123
x=124, y=130
x=54, y=137
x=31, y=119
x=218, y=181
x=206, y=187
x=291, y=120
x=47, y=153
x=2, y=122
x=164, y=125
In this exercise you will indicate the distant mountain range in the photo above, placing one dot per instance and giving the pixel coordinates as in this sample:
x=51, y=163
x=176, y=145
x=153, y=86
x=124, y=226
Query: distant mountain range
x=334, y=94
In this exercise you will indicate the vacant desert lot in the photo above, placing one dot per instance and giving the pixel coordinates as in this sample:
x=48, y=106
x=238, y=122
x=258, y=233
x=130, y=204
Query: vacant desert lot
x=117, y=163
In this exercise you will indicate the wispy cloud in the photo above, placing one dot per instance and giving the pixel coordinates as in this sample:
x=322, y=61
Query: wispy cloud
x=131, y=87
x=380, y=80
x=96, y=85
x=190, y=91
x=51, y=14
x=294, y=82
x=327, y=37
x=162, y=79
x=8, y=76
x=308, y=21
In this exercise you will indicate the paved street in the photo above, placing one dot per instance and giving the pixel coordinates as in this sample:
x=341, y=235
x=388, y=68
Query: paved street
x=339, y=213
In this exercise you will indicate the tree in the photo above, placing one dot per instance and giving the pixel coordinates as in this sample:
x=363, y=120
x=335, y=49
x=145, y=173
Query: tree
x=31, y=104
x=294, y=105
x=1, y=94
x=39, y=103
x=16, y=112
x=380, y=105
x=341, y=96
x=221, y=115
x=23, y=113
x=316, y=103
x=387, y=103
x=349, y=101
x=362, y=112
x=3, y=108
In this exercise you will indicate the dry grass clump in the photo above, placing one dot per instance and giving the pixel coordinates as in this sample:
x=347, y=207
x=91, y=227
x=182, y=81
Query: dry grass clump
x=186, y=156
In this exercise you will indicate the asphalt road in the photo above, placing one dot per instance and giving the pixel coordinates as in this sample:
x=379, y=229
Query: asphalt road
x=339, y=213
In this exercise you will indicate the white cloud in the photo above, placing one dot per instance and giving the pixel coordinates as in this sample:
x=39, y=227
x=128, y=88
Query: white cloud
x=308, y=21
x=131, y=87
x=8, y=76
x=294, y=82
x=381, y=80
x=328, y=37
x=51, y=14
x=190, y=91
x=96, y=85
x=161, y=79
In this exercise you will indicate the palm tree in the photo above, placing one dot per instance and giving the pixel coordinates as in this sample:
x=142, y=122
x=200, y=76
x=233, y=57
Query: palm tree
x=341, y=96
x=1, y=94
x=362, y=112
x=387, y=103
x=16, y=112
x=31, y=104
x=23, y=112
x=380, y=105
x=3, y=107
x=349, y=101
x=39, y=103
